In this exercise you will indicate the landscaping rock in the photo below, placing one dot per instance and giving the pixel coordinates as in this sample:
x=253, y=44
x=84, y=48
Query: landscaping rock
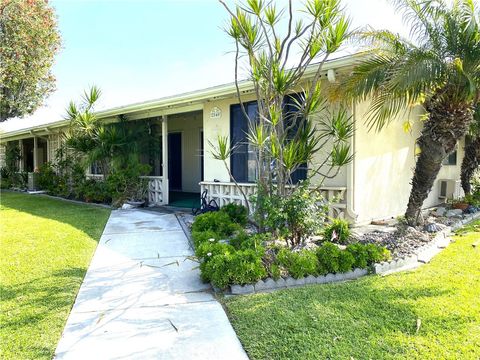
x=310, y=279
x=242, y=290
x=127, y=207
x=434, y=227
x=329, y=278
x=280, y=283
x=440, y=211
x=290, y=281
x=454, y=213
x=266, y=284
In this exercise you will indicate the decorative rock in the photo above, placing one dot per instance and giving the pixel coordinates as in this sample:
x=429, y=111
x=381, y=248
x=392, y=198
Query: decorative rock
x=453, y=213
x=280, y=283
x=310, y=279
x=434, y=227
x=300, y=281
x=127, y=207
x=471, y=209
x=359, y=273
x=349, y=275
x=329, y=278
x=440, y=211
x=290, y=281
x=242, y=290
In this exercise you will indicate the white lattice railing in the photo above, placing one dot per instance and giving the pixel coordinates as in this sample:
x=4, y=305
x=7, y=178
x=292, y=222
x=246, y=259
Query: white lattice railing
x=224, y=193
x=156, y=186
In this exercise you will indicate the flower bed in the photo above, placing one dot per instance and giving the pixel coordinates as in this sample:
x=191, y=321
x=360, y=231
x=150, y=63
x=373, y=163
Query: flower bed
x=229, y=255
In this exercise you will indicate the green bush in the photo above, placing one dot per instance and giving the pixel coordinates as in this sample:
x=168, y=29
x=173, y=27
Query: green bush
x=345, y=261
x=199, y=237
x=294, y=217
x=337, y=231
x=298, y=264
x=360, y=254
x=241, y=267
x=243, y=241
x=237, y=213
x=207, y=250
x=217, y=221
x=328, y=255
x=47, y=178
x=377, y=253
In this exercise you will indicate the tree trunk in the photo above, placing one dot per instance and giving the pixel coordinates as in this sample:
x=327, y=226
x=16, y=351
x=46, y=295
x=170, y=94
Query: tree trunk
x=447, y=123
x=470, y=163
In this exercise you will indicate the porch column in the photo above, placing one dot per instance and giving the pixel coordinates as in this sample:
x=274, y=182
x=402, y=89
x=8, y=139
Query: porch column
x=165, y=159
x=22, y=160
x=35, y=153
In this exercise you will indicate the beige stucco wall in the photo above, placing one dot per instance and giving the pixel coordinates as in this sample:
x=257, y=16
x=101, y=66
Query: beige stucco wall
x=215, y=169
x=190, y=126
x=384, y=164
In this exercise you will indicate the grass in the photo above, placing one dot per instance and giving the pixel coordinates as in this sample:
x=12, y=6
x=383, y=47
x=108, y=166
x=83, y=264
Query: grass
x=46, y=246
x=429, y=313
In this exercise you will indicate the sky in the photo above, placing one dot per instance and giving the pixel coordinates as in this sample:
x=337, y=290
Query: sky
x=138, y=50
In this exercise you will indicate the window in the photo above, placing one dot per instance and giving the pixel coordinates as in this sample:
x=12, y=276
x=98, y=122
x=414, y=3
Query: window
x=451, y=159
x=243, y=158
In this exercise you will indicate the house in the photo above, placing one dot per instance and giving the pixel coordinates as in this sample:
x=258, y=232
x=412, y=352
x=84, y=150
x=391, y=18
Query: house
x=375, y=185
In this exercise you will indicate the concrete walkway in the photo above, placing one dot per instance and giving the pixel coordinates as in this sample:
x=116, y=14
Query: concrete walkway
x=142, y=298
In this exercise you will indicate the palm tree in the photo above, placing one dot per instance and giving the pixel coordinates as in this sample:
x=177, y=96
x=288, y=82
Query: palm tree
x=439, y=68
x=471, y=160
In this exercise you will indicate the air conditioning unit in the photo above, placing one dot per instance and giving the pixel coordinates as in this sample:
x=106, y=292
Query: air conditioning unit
x=450, y=189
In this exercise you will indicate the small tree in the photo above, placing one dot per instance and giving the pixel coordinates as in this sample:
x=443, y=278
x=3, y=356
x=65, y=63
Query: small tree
x=439, y=68
x=29, y=40
x=284, y=137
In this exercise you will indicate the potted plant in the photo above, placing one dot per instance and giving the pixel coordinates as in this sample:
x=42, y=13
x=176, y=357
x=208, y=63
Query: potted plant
x=137, y=193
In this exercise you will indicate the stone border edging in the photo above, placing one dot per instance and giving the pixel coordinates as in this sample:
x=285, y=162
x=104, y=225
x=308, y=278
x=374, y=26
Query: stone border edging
x=421, y=256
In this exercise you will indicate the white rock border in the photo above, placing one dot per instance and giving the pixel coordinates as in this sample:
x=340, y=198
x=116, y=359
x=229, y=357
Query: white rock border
x=421, y=256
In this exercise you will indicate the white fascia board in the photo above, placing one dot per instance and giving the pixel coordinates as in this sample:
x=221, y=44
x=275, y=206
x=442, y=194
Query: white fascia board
x=180, y=103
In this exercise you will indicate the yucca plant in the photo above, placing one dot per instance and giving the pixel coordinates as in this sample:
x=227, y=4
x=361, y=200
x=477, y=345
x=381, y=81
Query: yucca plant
x=439, y=68
x=265, y=38
x=471, y=159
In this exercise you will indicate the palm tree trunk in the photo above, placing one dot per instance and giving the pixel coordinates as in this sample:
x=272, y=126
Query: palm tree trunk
x=447, y=123
x=470, y=163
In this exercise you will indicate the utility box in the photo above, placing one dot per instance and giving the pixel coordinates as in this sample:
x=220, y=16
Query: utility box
x=32, y=181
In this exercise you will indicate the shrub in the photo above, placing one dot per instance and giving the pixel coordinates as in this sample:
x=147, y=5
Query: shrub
x=298, y=264
x=207, y=250
x=377, y=253
x=243, y=241
x=328, y=258
x=199, y=237
x=345, y=261
x=47, y=178
x=237, y=213
x=241, y=267
x=218, y=221
x=294, y=217
x=337, y=231
x=273, y=271
x=361, y=255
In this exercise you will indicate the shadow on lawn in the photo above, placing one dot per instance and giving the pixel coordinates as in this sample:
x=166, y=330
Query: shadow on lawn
x=87, y=218
x=31, y=302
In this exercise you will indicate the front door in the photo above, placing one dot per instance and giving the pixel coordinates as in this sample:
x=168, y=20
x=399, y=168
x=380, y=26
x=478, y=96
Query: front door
x=175, y=161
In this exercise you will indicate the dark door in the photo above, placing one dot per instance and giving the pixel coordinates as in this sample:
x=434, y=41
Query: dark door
x=175, y=161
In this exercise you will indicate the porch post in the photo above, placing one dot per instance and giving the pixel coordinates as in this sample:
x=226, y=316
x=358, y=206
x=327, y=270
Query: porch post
x=165, y=159
x=22, y=160
x=35, y=153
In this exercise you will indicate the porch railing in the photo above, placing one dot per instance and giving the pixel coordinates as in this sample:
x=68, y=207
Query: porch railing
x=225, y=192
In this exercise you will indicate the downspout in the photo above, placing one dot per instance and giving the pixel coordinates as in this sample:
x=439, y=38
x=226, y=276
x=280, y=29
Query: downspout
x=350, y=210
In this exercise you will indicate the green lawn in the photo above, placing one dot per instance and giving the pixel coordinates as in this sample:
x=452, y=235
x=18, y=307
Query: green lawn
x=46, y=246
x=374, y=317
